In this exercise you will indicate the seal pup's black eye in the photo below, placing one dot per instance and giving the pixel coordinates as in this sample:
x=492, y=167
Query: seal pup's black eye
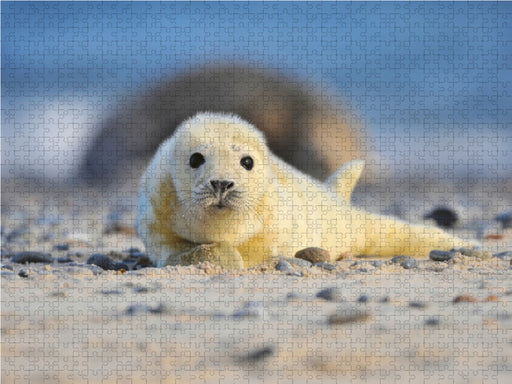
x=196, y=160
x=247, y=162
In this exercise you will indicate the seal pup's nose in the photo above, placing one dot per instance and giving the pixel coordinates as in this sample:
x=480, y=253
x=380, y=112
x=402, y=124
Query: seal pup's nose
x=222, y=185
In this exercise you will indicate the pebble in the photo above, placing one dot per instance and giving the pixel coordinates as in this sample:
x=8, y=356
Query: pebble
x=407, y=262
x=22, y=273
x=505, y=219
x=325, y=265
x=119, y=228
x=507, y=255
x=300, y=263
x=8, y=267
x=492, y=298
x=363, y=299
x=437, y=255
x=443, y=216
x=313, y=255
x=432, y=322
x=251, y=309
x=331, y=294
x=64, y=259
x=258, y=354
x=465, y=299
x=62, y=247
x=5, y=273
x=111, y=292
x=106, y=263
x=284, y=266
x=417, y=304
x=143, y=308
x=32, y=257
x=350, y=315
x=475, y=252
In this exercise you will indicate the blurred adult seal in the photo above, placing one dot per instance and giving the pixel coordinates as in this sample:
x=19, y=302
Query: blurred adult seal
x=215, y=192
x=305, y=126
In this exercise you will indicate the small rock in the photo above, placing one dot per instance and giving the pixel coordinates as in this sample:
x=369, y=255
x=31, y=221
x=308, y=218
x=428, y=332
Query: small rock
x=141, y=289
x=437, y=255
x=111, y=292
x=350, y=315
x=507, y=255
x=23, y=273
x=142, y=261
x=251, y=309
x=325, y=265
x=284, y=266
x=363, y=299
x=58, y=294
x=407, y=262
x=118, y=228
x=8, y=267
x=313, y=255
x=32, y=257
x=418, y=304
x=258, y=354
x=492, y=298
x=5, y=273
x=505, y=219
x=106, y=263
x=474, y=252
x=61, y=247
x=133, y=250
x=465, y=299
x=64, y=259
x=299, y=263
x=143, y=308
x=432, y=322
x=385, y=299
x=376, y=263
x=443, y=216
x=331, y=294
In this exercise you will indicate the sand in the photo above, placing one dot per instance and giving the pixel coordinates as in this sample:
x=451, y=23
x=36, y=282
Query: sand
x=73, y=322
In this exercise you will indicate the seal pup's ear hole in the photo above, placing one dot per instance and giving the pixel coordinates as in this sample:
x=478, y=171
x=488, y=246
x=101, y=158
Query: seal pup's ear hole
x=196, y=160
x=247, y=162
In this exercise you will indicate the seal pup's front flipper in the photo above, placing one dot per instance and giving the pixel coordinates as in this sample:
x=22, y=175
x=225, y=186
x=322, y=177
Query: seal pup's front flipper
x=343, y=181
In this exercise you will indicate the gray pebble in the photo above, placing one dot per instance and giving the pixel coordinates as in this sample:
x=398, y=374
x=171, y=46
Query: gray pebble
x=64, y=259
x=507, y=255
x=5, y=273
x=31, y=257
x=474, y=252
x=62, y=247
x=331, y=294
x=505, y=219
x=363, y=299
x=258, y=354
x=8, y=267
x=325, y=265
x=106, y=263
x=407, y=262
x=300, y=263
x=284, y=266
x=350, y=315
x=143, y=308
x=432, y=322
x=437, y=255
x=376, y=263
x=417, y=304
x=111, y=292
x=22, y=273
x=251, y=309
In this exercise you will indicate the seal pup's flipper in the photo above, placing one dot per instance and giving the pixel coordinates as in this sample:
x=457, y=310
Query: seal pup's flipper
x=343, y=181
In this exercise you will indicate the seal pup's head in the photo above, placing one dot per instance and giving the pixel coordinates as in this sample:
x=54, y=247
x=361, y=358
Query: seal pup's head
x=219, y=169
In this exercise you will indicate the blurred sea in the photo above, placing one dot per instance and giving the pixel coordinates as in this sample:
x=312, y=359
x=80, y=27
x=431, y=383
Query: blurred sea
x=433, y=81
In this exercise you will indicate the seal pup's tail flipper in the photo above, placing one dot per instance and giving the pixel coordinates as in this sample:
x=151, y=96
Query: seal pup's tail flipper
x=343, y=181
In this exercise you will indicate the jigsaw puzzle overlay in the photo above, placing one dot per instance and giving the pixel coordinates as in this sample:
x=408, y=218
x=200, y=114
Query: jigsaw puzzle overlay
x=421, y=92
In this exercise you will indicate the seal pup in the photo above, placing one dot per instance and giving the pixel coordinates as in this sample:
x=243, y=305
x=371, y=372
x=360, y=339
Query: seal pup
x=214, y=191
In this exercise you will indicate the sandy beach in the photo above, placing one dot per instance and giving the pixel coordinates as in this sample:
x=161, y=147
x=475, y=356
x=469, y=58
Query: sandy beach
x=359, y=320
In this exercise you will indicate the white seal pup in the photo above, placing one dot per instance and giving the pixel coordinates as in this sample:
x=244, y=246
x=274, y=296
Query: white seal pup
x=214, y=191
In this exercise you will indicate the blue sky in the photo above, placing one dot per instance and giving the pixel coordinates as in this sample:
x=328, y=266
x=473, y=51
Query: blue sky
x=400, y=64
